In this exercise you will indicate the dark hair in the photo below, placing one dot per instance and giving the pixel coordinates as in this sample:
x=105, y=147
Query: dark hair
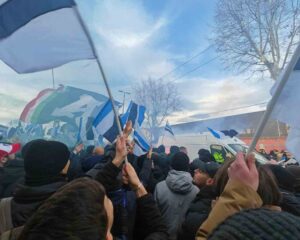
x=174, y=149
x=161, y=149
x=76, y=211
x=267, y=189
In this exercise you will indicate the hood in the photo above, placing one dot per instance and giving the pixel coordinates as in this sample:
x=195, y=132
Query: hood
x=179, y=182
x=25, y=194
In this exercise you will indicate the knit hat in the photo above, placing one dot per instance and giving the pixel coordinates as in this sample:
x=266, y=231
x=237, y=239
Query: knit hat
x=44, y=159
x=7, y=149
x=209, y=168
x=295, y=171
x=258, y=224
x=180, y=162
x=284, y=179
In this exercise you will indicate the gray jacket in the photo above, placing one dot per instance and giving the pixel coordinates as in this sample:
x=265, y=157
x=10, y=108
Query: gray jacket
x=173, y=197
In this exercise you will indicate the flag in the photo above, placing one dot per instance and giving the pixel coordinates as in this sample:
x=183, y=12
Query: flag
x=286, y=108
x=135, y=113
x=105, y=122
x=38, y=35
x=141, y=146
x=217, y=134
x=65, y=104
x=230, y=133
x=169, y=129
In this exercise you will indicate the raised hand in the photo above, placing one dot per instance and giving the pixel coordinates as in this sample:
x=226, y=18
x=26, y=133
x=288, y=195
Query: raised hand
x=244, y=171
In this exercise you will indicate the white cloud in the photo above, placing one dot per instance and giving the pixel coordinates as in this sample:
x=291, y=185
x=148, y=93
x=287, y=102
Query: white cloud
x=215, y=96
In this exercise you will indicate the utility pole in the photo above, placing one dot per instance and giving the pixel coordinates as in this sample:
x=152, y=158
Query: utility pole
x=124, y=95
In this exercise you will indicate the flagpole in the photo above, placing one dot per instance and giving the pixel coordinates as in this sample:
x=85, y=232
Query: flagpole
x=282, y=81
x=101, y=69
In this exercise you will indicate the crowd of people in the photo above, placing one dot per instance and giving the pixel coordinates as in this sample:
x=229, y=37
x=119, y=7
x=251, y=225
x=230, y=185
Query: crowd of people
x=49, y=191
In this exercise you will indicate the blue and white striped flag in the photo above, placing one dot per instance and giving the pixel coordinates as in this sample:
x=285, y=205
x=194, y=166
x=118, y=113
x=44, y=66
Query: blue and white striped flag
x=135, y=113
x=37, y=35
x=105, y=123
x=141, y=144
x=169, y=129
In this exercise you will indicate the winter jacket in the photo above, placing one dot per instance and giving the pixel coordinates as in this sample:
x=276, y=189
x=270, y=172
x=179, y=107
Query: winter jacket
x=197, y=213
x=13, y=173
x=235, y=197
x=27, y=199
x=173, y=197
x=149, y=224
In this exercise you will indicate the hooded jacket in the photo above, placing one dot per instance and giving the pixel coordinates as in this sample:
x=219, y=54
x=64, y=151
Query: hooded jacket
x=173, y=197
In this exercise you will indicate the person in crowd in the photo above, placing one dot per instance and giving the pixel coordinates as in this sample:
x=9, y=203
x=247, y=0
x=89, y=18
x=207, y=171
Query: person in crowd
x=81, y=210
x=286, y=182
x=174, y=195
x=44, y=162
x=295, y=171
x=205, y=156
x=11, y=168
x=258, y=224
x=183, y=149
x=199, y=209
x=174, y=149
x=241, y=193
x=161, y=149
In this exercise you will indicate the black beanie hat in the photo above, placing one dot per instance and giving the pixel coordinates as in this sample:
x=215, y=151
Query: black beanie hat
x=284, y=179
x=180, y=162
x=258, y=224
x=44, y=159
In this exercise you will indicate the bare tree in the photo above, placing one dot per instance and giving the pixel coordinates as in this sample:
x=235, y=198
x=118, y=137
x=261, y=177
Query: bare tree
x=161, y=98
x=257, y=35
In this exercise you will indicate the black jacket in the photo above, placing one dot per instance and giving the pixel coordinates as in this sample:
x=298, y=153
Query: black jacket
x=197, y=213
x=27, y=199
x=149, y=222
x=12, y=174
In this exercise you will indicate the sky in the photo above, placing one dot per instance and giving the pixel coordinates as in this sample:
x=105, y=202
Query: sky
x=140, y=39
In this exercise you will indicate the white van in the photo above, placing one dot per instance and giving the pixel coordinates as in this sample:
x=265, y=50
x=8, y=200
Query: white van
x=226, y=146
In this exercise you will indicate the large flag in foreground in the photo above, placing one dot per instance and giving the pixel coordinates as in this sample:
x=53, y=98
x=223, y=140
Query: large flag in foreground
x=286, y=108
x=37, y=35
x=64, y=104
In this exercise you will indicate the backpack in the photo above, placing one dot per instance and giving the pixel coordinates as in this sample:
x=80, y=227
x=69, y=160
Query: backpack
x=7, y=230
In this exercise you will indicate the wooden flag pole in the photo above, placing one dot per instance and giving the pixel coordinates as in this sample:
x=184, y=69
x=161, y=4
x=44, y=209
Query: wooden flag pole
x=282, y=81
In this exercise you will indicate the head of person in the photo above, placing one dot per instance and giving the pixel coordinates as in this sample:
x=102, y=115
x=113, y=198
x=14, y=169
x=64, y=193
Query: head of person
x=205, y=155
x=203, y=172
x=267, y=189
x=89, y=150
x=45, y=161
x=284, y=179
x=258, y=224
x=161, y=149
x=174, y=149
x=78, y=210
x=180, y=162
x=183, y=149
x=295, y=171
x=98, y=151
x=8, y=151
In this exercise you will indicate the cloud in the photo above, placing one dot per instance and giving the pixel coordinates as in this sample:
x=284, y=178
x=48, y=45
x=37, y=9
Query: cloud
x=221, y=97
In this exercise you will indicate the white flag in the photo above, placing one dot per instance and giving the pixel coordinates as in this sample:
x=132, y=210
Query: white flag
x=40, y=35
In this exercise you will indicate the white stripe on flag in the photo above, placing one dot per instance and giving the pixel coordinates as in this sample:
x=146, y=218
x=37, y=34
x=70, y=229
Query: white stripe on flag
x=48, y=41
